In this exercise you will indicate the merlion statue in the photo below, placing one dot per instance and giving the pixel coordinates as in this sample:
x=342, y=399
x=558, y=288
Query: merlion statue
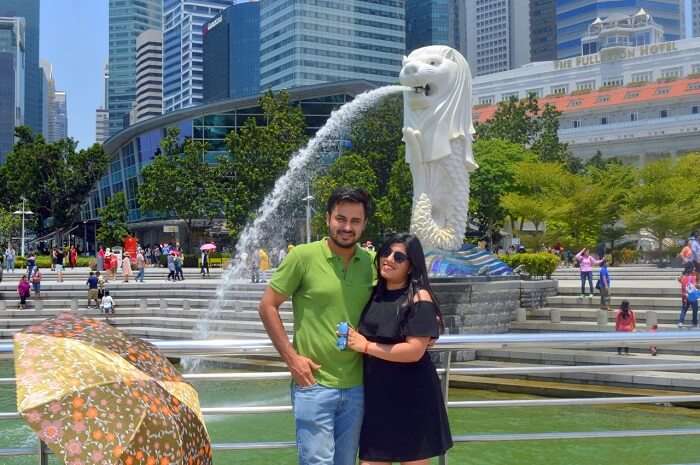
x=438, y=135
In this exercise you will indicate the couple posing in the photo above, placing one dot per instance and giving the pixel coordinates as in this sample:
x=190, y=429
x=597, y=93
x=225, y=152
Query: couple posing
x=398, y=413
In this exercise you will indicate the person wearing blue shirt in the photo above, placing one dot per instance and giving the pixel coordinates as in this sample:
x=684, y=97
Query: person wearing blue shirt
x=604, y=286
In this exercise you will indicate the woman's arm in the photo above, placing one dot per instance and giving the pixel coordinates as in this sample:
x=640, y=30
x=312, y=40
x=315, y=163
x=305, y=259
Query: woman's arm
x=404, y=352
x=578, y=255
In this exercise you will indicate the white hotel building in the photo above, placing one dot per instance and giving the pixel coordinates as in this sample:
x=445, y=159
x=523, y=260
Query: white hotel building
x=629, y=101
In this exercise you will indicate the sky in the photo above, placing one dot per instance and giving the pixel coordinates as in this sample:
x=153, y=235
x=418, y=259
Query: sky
x=73, y=38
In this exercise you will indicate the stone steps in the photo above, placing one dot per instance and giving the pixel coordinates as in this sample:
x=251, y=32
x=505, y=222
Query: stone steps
x=591, y=314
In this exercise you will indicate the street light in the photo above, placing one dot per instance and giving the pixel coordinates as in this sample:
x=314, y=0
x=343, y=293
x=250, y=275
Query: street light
x=23, y=212
x=308, y=200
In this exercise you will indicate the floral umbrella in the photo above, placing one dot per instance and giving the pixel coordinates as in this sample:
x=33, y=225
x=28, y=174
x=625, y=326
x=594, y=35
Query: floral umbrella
x=97, y=396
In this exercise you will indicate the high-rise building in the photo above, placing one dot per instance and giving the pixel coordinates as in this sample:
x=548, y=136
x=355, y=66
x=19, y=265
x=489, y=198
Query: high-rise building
x=29, y=10
x=127, y=19
x=101, y=125
x=149, y=75
x=694, y=13
x=498, y=35
x=232, y=53
x=575, y=16
x=306, y=42
x=183, y=25
x=55, y=106
x=435, y=22
x=12, y=81
x=621, y=31
x=543, y=30
x=58, y=116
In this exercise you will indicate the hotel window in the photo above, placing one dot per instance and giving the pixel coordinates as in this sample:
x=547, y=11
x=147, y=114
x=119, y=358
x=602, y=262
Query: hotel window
x=642, y=77
x=614, y=82
x=535, y=92
x=662, y=90
x=560, y=90
x=576, y=123
x=604, y=120
x=634, y=116
x=633, y=94
x=670, y=73
x=508, y=95
x=695, y=69
x=663, y=114
x=603, y=98
x=486, y=100
x=574, y=103
x=694, y=86
x=585, y=85
x=695, y=110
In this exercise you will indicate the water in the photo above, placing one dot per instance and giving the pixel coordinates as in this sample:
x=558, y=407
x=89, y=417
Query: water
x=280, y=427
x=270, y=222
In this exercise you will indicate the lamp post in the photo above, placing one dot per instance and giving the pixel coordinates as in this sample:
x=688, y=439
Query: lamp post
x=308, y=200
x=23, y=212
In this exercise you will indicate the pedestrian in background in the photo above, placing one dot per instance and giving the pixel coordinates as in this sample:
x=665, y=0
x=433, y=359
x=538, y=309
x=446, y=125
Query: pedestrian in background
x=58, y=264
x=625, y=322
x=23, y=291
x=73, y=257
x=179, y=262
x=36, y=282
x=586, y=263
x=92, y=284
x=101, y=259
x=689, y=284
x=31, y=263
x=171, y=266
x=10, y=259
x=126, y=266
x=603, y=285
x=205, y=263
x=140, y=265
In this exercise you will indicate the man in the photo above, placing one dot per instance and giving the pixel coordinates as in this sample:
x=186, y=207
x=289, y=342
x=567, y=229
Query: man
x=695, y=249
x=92, y=289
x=58, y=263
x=329, y=281
x=10, y=259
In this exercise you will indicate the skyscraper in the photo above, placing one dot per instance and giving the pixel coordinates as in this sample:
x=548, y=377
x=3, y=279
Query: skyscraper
x=101, y=125
x=498, y=35
x=127, y=19
x=435, y=22
x=574, y=17
x=29, y=10
x=543, y=30
x=695, y=17
x=12, y=80
x=307, y=42
x=232, y=53
x=55, y=106
x=149, y=75
x=183, y=76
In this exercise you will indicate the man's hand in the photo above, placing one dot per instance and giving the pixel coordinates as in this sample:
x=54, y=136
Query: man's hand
x=302, y=369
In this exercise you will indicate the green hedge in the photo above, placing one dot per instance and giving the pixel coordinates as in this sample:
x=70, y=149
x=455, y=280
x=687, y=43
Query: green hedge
x=539, y=265
x=44, y=261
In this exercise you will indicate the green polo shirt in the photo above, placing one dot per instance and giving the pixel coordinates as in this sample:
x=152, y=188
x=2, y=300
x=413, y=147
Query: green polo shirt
x=324, y=292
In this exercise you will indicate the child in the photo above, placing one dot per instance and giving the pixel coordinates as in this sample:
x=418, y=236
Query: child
x=23, y=291
x=604, y=286
x=625, y=322
x=92, y=289
x=107, y=304
x=100, y=286
x=652, y=349
x=688, y=285
x=36, y=282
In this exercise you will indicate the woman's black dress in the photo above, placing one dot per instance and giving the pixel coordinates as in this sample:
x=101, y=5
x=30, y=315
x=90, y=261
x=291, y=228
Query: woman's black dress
x=405, y=417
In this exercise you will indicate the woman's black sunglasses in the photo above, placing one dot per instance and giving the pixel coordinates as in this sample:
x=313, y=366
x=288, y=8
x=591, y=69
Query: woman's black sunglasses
x=399, y=257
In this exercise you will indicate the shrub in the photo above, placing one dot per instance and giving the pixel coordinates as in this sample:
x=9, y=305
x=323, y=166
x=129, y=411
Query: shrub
x=539, y=265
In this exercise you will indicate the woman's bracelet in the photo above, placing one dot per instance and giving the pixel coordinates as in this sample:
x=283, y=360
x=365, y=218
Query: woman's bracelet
x=366, y=348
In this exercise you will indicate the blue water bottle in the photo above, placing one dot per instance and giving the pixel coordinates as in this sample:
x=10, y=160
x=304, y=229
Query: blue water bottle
x=342, y=341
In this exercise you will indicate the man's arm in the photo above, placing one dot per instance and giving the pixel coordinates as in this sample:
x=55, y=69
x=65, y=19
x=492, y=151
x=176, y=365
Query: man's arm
x=301, y=367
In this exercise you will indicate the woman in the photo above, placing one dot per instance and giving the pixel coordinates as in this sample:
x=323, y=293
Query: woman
x=625, y=322
x=688, y=283
x=73, y=257
x=126, y=266
x=23, y=291
x=405, y=418
x=586, y=263
x=101, y=259
x=36, y=282
x=108, y=261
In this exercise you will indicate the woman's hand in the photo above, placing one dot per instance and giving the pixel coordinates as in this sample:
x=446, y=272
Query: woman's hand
x=356, y=341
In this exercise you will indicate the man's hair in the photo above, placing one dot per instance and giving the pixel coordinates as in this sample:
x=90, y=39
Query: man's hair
x=351, y=195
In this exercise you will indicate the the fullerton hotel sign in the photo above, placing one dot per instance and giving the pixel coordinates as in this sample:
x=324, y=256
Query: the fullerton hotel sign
x=615, y=54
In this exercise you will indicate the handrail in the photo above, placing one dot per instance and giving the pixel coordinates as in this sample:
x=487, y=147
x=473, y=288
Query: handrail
x=217, y=347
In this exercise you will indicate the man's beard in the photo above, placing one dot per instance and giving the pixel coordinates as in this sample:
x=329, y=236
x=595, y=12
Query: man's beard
x=352, y=243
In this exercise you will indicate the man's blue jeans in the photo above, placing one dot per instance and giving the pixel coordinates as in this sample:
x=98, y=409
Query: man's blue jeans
x=142, y=272
x=328, y=424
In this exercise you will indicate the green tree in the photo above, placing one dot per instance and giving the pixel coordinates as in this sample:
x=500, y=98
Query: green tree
x=54, y=177
x=663, y=202
x=495, y=177
x=514, y=121
x=547, y=145
x=348, y=170
x=394, y=208
x=258, y=156
x=113, y=221
x=9, y=225
x=180, y=182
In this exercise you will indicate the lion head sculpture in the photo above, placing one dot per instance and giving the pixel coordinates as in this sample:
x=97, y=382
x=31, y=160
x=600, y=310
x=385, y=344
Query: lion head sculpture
x=440, y=106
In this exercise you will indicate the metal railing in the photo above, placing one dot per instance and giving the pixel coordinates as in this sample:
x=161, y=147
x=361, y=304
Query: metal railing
x=447, y=344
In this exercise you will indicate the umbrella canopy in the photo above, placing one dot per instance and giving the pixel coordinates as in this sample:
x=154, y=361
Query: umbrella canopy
x=97, y=396
x=209, y=246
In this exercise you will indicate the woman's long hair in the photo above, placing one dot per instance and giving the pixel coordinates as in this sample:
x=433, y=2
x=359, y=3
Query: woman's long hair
x=417, y=275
